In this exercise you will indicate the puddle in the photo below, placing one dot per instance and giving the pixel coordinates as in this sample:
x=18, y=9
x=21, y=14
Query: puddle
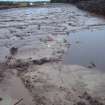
x=87, y=49
x=12, y=91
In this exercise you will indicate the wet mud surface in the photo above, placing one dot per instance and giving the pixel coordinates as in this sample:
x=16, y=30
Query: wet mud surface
x=33, y=42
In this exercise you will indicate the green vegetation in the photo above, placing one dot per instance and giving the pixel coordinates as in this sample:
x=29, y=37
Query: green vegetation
x=5, y=3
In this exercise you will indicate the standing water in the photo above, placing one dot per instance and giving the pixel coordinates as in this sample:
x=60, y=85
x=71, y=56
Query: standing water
x=87, y=49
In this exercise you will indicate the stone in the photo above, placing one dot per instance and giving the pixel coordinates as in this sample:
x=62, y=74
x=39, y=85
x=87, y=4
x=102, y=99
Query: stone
x=1, y=98
x=13, y=50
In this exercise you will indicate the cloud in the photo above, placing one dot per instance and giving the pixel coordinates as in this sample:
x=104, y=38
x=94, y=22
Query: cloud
x=25, y=0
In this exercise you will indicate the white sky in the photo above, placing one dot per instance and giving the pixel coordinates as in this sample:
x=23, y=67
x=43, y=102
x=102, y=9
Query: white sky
x=25, y=0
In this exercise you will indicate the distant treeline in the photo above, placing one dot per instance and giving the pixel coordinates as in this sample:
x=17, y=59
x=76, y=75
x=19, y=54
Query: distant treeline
x=11, y=3
x=65, y=1
x=56, y=1
x=94, y=6
x=53, y=1
x=5, y=3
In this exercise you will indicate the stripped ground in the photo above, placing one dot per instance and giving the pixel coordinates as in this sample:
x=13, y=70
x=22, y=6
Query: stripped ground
x=58, y=84
x=32, y=45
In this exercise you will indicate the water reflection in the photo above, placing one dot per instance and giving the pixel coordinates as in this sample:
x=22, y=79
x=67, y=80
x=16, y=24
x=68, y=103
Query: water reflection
x=87, y=49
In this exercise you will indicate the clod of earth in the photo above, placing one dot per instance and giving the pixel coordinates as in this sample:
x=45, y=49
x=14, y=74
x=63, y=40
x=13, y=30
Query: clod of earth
x=13, y=50
x=92, y=65
x=44, y=60
x=1, y=98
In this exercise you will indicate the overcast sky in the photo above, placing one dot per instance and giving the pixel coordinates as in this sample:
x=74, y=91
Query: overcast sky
x=25, y=0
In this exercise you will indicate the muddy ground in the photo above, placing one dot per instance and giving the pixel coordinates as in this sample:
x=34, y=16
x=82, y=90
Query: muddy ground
x=33, y=42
